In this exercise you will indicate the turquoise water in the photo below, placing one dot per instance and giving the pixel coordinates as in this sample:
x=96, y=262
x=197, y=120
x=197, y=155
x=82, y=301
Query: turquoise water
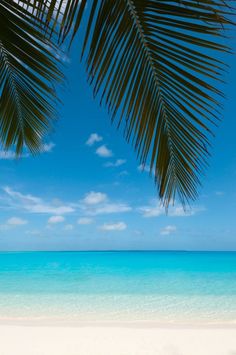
x=122, y=286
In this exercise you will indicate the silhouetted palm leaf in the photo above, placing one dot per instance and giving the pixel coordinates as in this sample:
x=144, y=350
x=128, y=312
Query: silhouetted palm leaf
x=28, y=69
x=154, y=63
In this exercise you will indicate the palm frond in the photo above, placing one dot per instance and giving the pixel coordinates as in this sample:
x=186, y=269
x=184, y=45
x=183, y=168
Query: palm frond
x=154, y=63
x=148, y=58
x=28, y=73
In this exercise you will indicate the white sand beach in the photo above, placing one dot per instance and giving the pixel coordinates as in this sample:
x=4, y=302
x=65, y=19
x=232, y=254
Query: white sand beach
x=116, y=340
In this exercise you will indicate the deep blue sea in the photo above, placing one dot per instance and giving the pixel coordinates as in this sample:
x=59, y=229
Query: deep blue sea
x=166, y=287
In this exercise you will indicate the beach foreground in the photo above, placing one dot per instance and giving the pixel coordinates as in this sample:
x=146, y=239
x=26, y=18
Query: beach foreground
x=116, y=340
x=118, y=303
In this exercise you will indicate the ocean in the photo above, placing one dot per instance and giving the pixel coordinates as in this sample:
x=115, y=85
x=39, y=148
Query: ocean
x=162, y=287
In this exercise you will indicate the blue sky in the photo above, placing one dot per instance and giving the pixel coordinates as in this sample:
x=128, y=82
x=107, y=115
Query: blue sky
x=86, y=191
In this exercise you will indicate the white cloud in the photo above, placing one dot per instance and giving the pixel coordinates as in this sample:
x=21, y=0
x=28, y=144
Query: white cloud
x=85, y=220
x=33, y=204
x=168, y=230
x=104, y=152
x=56, y=219
x=47, y=147
x=119, y=226
x=93, y=198
x=156, y=210
x=115, y=164
x=93, y=138
x=16, y=221
x=68, y=227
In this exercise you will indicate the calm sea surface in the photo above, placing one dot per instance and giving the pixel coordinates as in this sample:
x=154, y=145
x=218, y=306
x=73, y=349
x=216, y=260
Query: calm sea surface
x=124, y=286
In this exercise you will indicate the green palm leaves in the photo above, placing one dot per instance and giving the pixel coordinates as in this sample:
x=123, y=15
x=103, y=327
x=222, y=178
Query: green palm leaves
x=154, y=65
x=28, y=67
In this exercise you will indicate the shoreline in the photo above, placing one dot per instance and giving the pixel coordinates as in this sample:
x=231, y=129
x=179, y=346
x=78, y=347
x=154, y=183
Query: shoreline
x=143, y=324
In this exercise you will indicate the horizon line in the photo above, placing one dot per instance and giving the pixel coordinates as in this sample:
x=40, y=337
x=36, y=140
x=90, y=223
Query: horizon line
x=118, y=251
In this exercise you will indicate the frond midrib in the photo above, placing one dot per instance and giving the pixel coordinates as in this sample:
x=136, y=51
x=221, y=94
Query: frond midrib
x=134, y=15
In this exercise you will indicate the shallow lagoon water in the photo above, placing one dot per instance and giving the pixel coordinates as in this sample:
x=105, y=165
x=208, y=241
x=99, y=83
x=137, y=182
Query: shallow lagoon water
x=169, y=287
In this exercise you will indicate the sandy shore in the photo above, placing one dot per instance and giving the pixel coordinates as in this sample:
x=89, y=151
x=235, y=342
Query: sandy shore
x=116, y=340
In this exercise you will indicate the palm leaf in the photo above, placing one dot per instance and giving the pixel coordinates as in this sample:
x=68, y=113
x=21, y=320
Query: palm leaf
x=28, y=73
x=154, y=64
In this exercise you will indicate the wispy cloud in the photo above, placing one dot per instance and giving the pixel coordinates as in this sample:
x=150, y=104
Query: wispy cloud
x=33, y=204
x=219, y=193
x=98, y=203
x=47, y=147
x=13, y=222
x=104, y=152
x=115, y=164
x=62, y=55
x=34, y=232
x=7, y=155
x=93, y=138
x=143, y=167
x=68, y=227
x=11, y=155
x=109, y=208
x=157, y=210
x=123, y=173
x=85, y=220
x=168, y=230
x=94, y=203
x=16, y=221
x=108, y=227
x=56, y=219
x=138, y=232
